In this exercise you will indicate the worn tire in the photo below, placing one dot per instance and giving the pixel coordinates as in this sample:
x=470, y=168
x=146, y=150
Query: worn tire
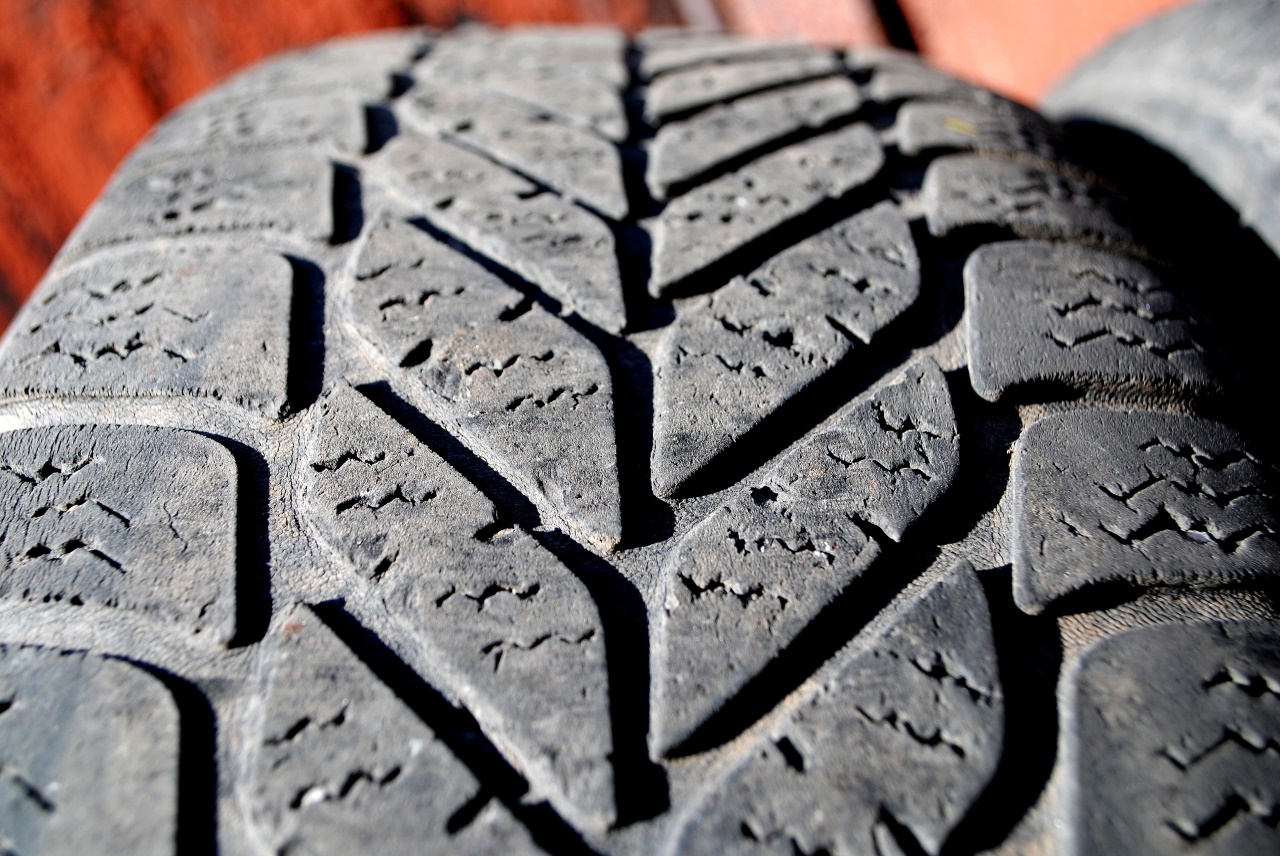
x=1200, y=82
x=504, y=441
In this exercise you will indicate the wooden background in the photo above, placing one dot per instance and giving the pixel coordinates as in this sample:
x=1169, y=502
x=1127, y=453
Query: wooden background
x=81, y=81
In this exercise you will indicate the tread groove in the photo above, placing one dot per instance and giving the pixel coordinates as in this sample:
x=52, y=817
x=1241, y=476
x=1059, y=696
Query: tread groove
x=780, y=524
x=736, y=162
x=197, y=831
x=457, y=729
x=756, y=252
x=348, y=207
x=641, y=787
x=855, y=374
x=305, y=372
x=380, y=126
x=897, y=28
x=865, y=601
x=254, y=600
x=680, y=115
x=849, y=615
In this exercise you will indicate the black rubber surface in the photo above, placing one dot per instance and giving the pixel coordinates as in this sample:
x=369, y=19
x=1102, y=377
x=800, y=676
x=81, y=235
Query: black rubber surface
x=543, y=441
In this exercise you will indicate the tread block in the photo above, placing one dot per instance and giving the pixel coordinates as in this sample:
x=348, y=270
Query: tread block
x=897, y=76
x=735, y=356
x=88, y=756
x=684, y=151
x=344, y=766
x=121, y=517
x=521, y=383
x=907, y=731
x=746, y=580
x=1172, y=741
x=963, y=191
x=665, y=52
x=725, y=215
x=577, y=75
x=1143, y=499
x=543, y=53
x=333, y=120
x=885, y=460
x=998, y=126
x=282, y=190
x=573, y=161
x=558, y=246
x=1043, y=313
x=684, y=91
x=516, y=633
x=145, y=322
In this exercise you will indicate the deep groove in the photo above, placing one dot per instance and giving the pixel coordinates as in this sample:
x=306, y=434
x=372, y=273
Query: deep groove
x=903, y=837
x=253, y=544
x=896, y=28
x=1030, y=656
x=197, y=810
x=540, y=185
x=848, y=614
x=634, y=246
x=736, y=162
x=457, y=729
x=646, y=518
x=380, y=126
x=774, y=86
x=509, y=276
x=759, y=250
x=401, y=82
x=305, y=371
x=640, y=784
x=514, y=508
x=972, y=494
x=855, y=374
x=348, y=205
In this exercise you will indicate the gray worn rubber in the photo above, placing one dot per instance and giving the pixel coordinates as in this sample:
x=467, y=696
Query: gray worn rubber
x=746, y=580
x=923, y=703
x=733, y=357
x=1180, y=726
x=964, y=191
x=724, y=215
x=1201, y=83
x=72, y=723
x=1042, y=313
x=85, y=523
x=686, y=151
x=548, y=441
x=1143, y=498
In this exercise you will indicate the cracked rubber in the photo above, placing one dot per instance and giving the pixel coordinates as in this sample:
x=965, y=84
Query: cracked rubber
x=548, y=441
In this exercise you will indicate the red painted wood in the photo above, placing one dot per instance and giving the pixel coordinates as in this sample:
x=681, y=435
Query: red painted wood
x=81, y=82
x=1020, y=47
x=824, y=22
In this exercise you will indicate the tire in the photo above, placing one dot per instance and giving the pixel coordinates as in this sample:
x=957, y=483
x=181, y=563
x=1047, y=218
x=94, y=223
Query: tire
x=1201, y=83
x=536, y=440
